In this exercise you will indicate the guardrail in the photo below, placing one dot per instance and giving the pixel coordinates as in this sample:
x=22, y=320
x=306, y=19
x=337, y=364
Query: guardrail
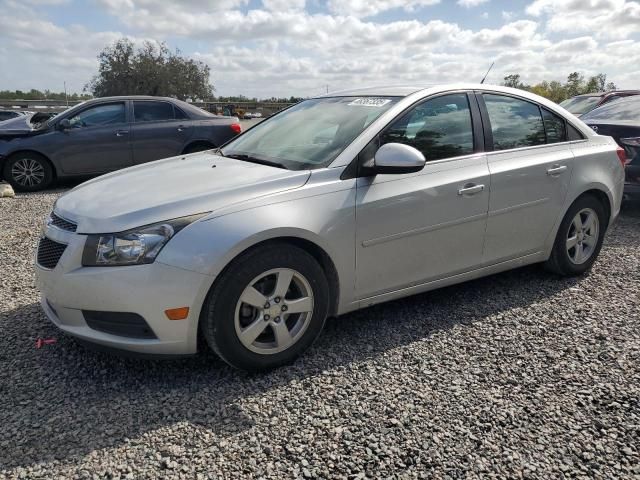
x=44, y=105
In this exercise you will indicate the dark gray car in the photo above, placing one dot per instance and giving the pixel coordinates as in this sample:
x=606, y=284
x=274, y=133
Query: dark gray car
x=103, y=135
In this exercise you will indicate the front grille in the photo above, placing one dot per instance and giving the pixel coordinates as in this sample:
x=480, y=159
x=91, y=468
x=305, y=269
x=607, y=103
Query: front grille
x=49, y=252
x=62, y=224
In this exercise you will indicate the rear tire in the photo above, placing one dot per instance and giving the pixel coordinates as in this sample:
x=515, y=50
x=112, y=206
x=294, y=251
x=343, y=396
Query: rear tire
x=579, y=238
x=28, y=172
x=248, y=318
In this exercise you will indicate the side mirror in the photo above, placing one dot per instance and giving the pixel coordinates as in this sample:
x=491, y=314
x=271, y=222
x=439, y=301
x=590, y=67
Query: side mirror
x=64, y=124
x=395, y=158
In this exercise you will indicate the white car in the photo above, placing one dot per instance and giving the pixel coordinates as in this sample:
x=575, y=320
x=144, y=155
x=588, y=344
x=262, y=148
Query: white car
x=335, y=204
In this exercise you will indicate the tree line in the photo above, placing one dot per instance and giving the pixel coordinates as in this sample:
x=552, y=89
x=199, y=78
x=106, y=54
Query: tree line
x=576, y=84
x=34, y=94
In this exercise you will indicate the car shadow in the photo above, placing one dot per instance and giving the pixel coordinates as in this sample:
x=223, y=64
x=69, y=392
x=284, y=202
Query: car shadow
x=63, y=401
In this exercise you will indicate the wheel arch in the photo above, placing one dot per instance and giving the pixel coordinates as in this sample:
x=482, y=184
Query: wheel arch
x=311, y=247
x=9, y=156
x=600, y=191
x=193, y=143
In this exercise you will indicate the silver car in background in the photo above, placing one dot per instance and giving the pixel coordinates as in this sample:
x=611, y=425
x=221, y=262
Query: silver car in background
x=335, y=204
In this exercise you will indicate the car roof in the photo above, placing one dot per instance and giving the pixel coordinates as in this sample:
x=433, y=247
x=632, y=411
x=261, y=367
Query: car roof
x=610, y=92
x=132, y=97
x=406, y=90
x=385, y=91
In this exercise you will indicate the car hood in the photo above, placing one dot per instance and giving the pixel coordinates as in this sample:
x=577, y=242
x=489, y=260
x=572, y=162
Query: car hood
x=16, y=125
x=20, y=127
x=170, y=188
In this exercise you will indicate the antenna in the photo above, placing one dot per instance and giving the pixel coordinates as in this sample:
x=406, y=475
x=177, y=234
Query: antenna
x=485, y=75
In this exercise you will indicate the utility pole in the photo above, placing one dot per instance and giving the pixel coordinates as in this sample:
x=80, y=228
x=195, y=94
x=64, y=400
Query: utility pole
x=327, y=88
x=65, y=93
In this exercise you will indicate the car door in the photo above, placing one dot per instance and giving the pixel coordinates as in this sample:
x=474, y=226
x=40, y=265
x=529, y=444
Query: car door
x=530, y=165
x=418, y=227
x=97, y=140
x=159, y=130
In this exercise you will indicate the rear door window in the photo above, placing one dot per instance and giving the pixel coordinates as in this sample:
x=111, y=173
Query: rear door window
x=152, y=111
x=515, y=123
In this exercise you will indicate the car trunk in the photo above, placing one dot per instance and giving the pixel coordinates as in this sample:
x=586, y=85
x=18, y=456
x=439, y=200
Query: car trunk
x=618, y=132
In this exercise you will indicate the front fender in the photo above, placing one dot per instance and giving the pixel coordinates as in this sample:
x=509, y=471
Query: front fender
x=325, y=216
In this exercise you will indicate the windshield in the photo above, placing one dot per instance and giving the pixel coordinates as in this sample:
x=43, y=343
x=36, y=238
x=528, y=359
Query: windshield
x=310, y=134
x=580, y=105
x=627, y=110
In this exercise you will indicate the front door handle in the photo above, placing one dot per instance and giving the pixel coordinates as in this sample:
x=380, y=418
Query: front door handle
x=557, y=170
x=121, y=133
x=181, y=128
x=470, y=189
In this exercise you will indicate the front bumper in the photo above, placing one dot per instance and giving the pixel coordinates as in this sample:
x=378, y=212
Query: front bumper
x=146, y=290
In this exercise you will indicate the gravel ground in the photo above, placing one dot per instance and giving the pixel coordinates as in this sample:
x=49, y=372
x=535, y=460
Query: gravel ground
x=521, y=375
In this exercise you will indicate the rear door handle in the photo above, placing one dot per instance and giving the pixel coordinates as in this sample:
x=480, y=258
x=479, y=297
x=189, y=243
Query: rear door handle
x=557, y=170
x=121, y=133
x=181, y=128
x=470, y=189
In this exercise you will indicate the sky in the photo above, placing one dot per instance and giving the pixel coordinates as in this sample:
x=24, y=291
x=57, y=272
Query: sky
x=266, y=48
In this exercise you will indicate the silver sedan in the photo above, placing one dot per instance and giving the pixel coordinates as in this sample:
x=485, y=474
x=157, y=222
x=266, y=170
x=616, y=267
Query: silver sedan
x=335, y=204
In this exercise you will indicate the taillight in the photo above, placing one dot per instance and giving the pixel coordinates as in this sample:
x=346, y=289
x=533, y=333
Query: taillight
x=622, y=156
x=236, y=127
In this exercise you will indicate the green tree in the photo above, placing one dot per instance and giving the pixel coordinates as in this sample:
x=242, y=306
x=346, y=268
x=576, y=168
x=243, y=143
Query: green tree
x=151, y=69
x=575, y=84
x=557, y=91
x=513, y=81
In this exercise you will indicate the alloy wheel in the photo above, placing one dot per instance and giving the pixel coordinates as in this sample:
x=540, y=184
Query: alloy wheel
x=274, y=311
x=582, y=237
x=27, y=172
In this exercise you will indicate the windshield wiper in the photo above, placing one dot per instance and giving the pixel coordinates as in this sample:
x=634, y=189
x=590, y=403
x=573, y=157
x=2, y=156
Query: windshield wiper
x=252, y=159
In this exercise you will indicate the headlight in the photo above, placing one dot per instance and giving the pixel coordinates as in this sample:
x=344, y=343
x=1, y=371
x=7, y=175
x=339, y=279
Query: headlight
x=133, y=247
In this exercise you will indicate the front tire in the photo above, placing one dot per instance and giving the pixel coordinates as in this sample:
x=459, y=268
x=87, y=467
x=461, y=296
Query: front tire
x=28, y=172
x=579, y=238
x=267, y=308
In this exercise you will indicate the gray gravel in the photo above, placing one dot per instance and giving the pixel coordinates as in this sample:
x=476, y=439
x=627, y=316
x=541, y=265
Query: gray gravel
x=521, y=375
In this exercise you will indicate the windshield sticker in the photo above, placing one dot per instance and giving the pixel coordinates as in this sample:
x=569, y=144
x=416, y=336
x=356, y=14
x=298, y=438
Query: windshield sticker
x=369, y=102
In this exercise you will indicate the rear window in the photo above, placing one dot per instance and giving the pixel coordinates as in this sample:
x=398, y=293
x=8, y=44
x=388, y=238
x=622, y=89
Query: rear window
x=626, y=110
x=580, y=105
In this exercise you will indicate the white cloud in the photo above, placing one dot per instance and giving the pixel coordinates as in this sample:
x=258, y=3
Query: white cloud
x=602, y=18
x=507, y=16
x=367, y=8
x=279, y=48
x=284, y=5
x=471, y=3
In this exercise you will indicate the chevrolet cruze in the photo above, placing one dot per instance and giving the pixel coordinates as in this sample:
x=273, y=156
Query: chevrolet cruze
x=335, y=204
